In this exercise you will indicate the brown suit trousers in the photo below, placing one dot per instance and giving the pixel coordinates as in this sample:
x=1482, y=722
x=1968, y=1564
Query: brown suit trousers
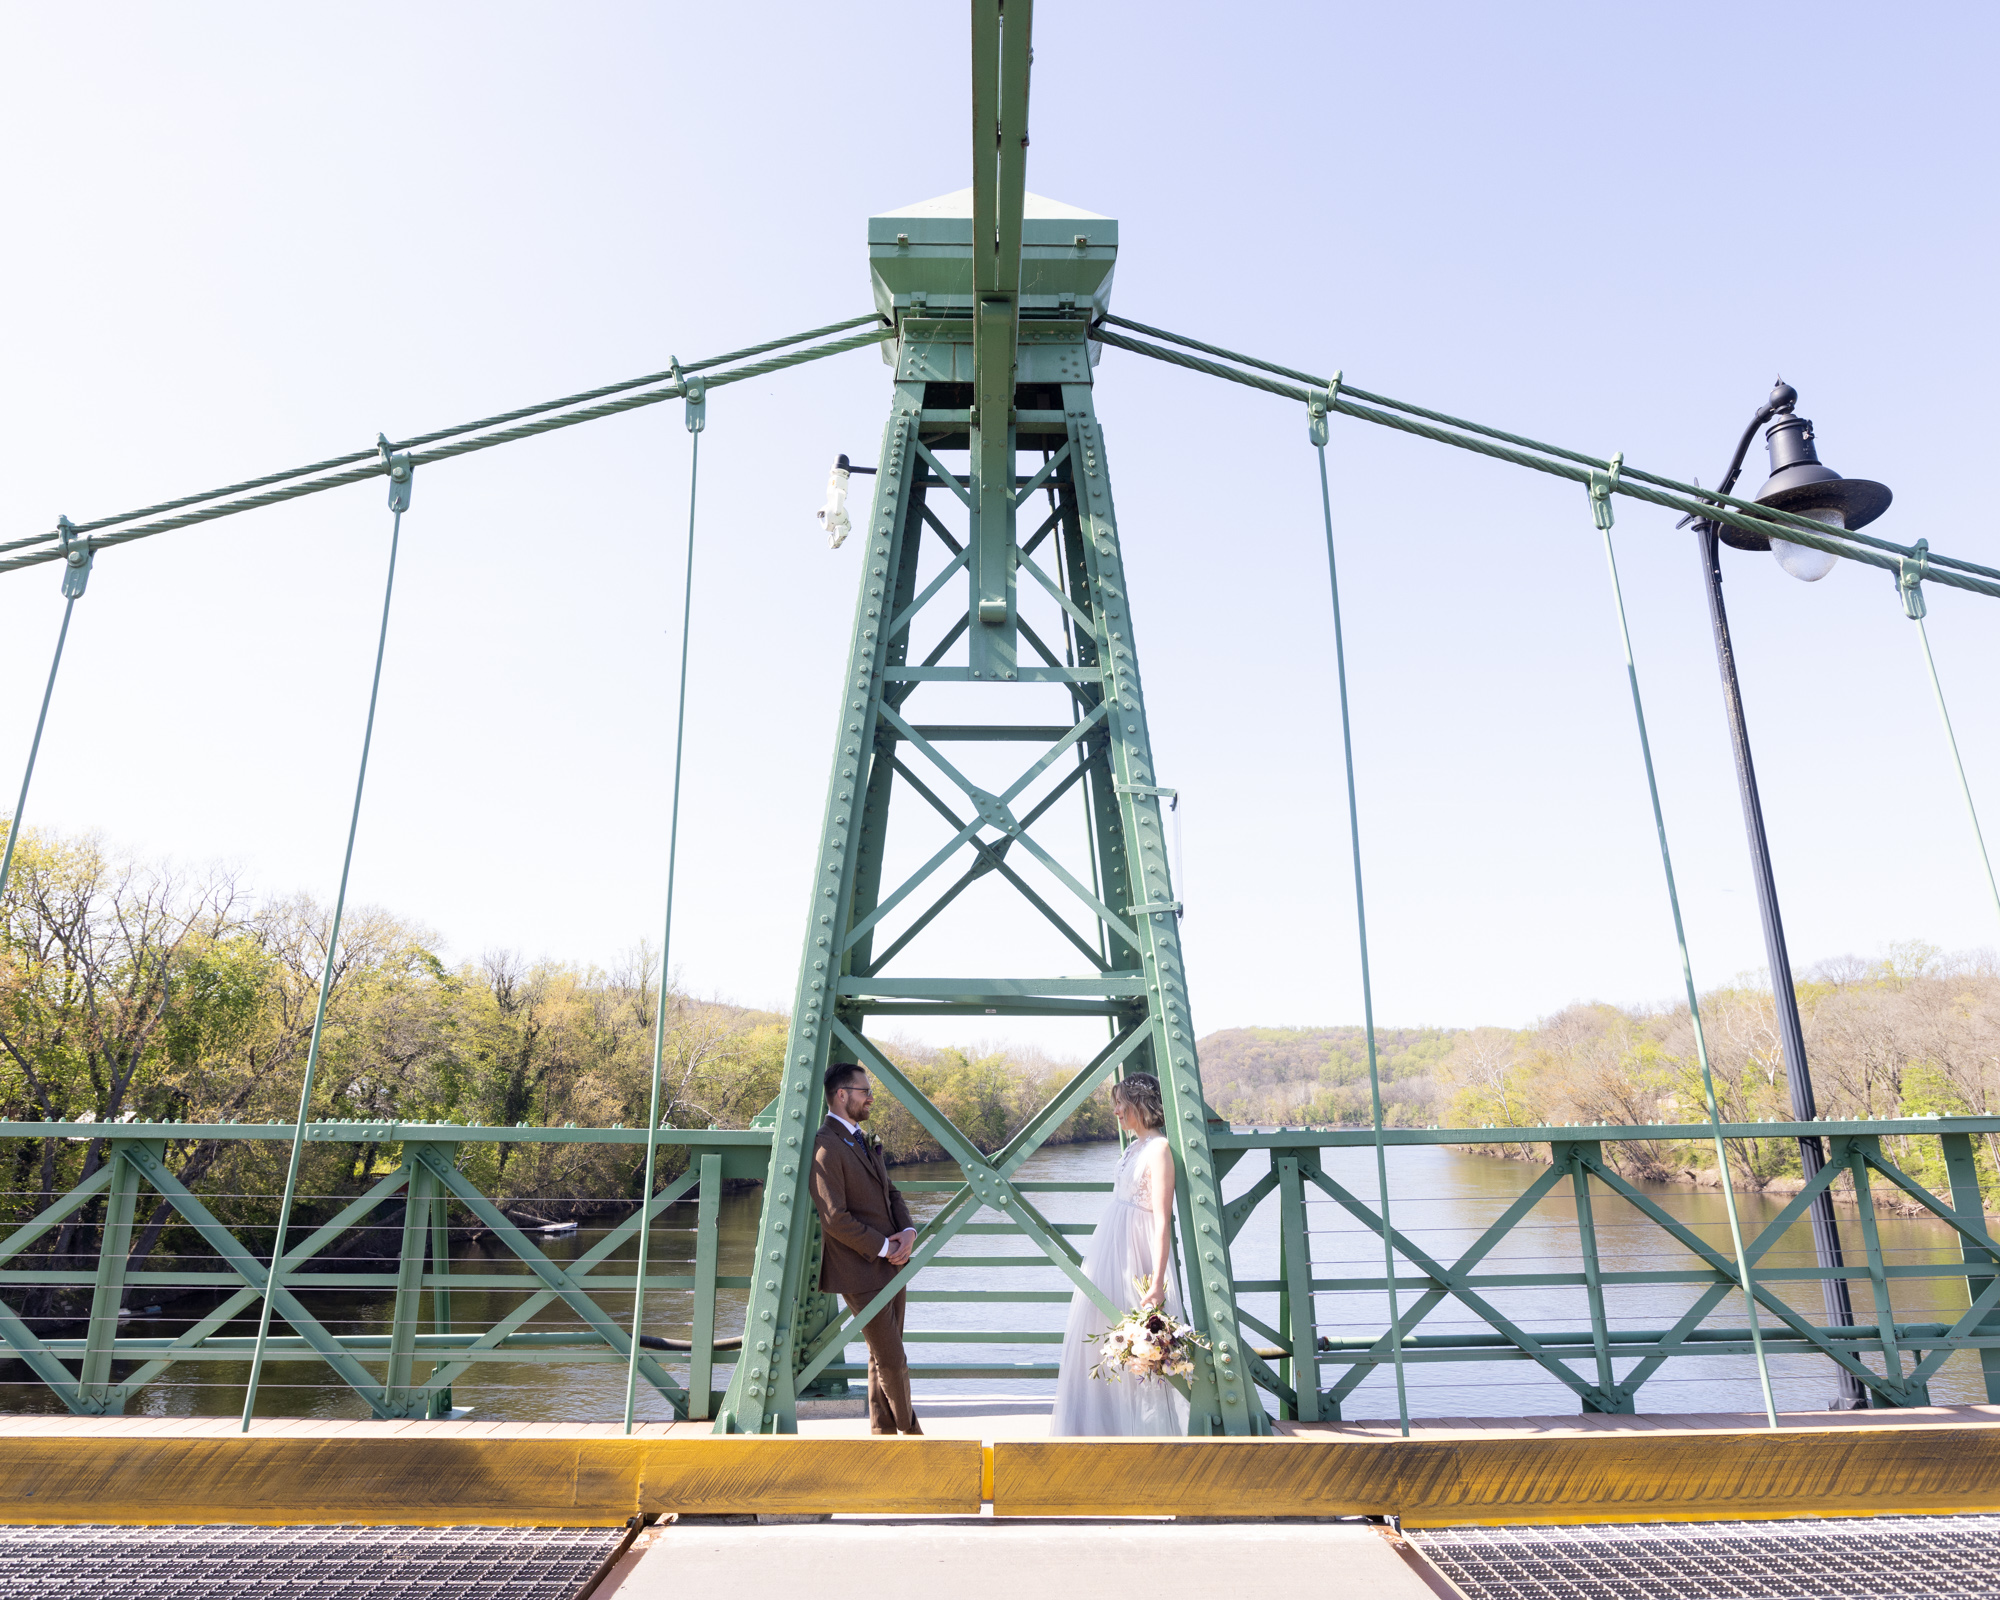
x=889, y=1406
x=858, y=1209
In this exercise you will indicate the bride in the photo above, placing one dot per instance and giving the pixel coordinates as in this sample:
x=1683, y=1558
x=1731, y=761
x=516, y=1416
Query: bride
x=1134, y=1239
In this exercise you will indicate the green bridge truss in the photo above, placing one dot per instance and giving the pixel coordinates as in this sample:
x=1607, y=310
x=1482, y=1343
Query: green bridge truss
x=1307, y=1372
x=991, y=691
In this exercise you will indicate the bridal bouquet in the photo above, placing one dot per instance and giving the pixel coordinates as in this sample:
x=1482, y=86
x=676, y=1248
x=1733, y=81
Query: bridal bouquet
x=1146, y=1343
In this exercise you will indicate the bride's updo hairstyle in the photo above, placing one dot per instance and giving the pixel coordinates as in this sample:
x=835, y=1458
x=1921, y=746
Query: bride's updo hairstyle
x=1140, y=1094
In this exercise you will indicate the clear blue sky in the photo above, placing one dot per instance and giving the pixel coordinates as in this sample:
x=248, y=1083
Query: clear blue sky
x=248, y=236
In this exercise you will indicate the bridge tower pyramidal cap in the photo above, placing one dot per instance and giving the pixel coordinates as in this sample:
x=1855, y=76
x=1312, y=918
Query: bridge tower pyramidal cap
x=991, y=747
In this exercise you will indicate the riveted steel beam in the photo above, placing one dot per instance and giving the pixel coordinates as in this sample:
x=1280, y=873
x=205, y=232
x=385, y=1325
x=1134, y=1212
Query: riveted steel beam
x=1000, y=57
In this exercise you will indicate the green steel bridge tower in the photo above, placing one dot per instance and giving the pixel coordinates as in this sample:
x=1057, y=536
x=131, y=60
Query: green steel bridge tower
x=994, y=591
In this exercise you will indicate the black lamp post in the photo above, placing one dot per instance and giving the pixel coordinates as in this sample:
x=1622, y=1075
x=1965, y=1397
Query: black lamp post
x=1800, y=484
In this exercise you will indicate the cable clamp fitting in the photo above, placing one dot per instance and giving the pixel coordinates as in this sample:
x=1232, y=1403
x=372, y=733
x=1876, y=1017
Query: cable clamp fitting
x=77, y=557
x=1171, y=795
x=1317, y=407
x=401, y=473
x=1911, y=572
x=1602, y=487
x=696, y=392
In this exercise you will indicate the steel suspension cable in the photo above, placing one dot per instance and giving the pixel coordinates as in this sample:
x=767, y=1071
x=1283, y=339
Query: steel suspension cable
x=695, y=422
x=1910, y=587
x=1361, y=924
x=400, y=472
x=349, y=460
x=1600, y=508
x=432, y=452
x=671, y=373
x=1688, y=499
x=1448, y=420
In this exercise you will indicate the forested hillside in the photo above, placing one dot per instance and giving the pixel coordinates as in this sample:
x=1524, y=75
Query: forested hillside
x=1320, y=1075
x=1914, y=1033
x=131, y=990
x=135, y=991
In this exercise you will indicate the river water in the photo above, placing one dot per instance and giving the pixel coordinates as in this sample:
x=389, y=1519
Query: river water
x=1442, y=1199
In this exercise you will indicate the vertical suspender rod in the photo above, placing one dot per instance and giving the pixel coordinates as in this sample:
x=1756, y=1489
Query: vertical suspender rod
x=399, y=502
x=1317, y=431
x=1601, y=486
x=696, y=420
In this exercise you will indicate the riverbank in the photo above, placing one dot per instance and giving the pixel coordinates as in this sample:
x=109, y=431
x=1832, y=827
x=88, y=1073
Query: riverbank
x=1888, y=1203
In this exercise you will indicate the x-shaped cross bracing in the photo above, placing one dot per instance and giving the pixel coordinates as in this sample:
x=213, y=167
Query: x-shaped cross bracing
x=995, y=812
x=569, y=1283
x=1452, y=1282
x=991, y=858
x=988, y=1181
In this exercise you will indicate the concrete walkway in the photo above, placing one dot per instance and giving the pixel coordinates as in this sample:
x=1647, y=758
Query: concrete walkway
x=981, y=1558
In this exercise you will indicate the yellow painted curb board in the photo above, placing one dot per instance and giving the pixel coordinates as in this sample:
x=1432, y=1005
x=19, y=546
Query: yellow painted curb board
x=1611, y=1477
x=446, y=1480
x=500, y=1482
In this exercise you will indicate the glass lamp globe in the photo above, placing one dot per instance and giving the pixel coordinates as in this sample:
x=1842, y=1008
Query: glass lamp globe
x=1802, y=561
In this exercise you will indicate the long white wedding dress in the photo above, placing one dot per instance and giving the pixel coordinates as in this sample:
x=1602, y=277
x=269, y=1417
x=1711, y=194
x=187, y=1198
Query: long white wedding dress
x=1120, y=1250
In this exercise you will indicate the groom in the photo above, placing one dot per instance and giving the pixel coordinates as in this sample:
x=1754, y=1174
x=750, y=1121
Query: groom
x=866, y=1236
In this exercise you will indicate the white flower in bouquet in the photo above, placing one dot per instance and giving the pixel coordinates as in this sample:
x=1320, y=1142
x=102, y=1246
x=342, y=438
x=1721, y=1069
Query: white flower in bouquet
x=1148, y=1342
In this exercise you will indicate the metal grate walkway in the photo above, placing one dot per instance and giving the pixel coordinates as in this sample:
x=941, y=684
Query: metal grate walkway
x=234, y=1563
x=1911, y=1558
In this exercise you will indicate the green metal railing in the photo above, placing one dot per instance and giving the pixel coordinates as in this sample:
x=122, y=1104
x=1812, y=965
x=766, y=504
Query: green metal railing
x=1906, y=1355
x=84, y=1372
x=1308, y=1369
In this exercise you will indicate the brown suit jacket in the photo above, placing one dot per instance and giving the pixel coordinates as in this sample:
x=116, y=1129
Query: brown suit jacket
x=858, y=1208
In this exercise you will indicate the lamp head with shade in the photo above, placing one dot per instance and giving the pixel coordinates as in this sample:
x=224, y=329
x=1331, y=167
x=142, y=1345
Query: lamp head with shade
x=1800, y=483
